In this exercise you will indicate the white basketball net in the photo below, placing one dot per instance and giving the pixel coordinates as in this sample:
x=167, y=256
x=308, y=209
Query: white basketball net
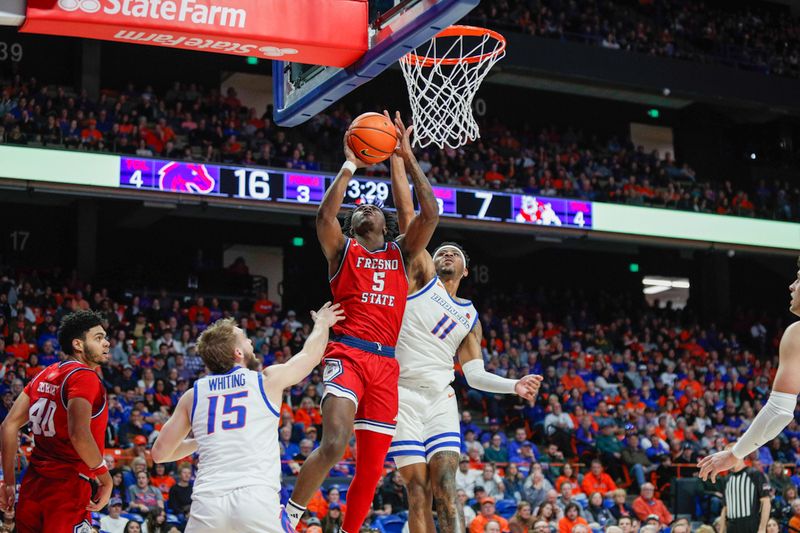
x=442, y=83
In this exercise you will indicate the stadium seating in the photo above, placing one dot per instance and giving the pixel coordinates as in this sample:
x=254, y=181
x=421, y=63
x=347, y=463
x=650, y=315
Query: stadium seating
x=760, y=37
x=389, y=524
x=211, y=128
x=506, y=508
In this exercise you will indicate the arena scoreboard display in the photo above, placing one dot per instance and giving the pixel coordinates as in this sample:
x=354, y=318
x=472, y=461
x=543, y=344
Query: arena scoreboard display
x=82, y=173
x=247, y=183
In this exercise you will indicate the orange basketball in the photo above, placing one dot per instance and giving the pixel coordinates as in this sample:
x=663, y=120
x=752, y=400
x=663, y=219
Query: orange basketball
x=372, y=137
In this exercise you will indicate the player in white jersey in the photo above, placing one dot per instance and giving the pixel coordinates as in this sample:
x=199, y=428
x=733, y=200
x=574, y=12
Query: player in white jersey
x=436, y=326
x=779, y=411
x=233, y=414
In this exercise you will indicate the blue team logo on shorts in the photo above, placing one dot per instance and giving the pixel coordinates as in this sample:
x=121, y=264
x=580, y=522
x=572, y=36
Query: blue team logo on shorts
x=333, y=369
x=83, y=527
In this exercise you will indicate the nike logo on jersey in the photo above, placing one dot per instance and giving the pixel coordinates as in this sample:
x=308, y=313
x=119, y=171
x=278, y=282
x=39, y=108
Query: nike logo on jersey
x=451, y=394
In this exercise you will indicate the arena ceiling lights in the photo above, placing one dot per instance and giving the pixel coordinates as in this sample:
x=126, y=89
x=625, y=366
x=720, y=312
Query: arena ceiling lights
x=658, y=284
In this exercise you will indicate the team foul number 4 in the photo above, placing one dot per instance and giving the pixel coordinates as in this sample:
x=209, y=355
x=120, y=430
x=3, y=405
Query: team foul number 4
x=233, y=416
x=41, y=415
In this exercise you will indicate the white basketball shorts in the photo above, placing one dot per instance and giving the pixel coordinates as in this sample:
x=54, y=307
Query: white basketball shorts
x=427, y=423
x=251, y=509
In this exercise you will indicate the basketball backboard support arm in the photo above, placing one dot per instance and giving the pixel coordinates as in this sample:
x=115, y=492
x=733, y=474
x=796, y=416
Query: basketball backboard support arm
x=408, y=25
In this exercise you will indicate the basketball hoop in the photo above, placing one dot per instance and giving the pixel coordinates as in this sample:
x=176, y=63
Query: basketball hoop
x=443, y=80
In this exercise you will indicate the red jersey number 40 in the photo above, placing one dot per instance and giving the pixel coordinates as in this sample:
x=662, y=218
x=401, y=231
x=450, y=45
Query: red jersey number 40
x=41, y=415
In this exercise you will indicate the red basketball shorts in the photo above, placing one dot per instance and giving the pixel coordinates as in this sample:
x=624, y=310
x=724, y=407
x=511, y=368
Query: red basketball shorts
x=56, y=505
x=369, y=380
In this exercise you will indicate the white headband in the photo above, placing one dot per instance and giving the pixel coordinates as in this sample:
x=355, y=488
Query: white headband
x=455, y=249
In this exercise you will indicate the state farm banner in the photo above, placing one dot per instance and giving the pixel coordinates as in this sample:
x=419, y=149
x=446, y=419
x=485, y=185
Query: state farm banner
x=317, y=32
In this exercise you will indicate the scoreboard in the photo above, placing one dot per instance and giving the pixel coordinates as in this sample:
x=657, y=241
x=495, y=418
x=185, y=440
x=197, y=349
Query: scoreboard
x=61, y=170
x=288, y=186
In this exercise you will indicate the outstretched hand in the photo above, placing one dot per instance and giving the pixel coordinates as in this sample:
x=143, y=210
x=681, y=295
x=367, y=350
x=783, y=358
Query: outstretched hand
x=328, y=314
x=528, y=386
x=404, y=137
x=349, y=155
x=716, y=463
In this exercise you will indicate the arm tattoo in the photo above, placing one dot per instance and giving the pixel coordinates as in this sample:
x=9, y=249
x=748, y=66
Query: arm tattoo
x=422, y=188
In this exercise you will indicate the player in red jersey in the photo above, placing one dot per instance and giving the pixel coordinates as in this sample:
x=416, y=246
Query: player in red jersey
x=65, y=405
x=367, y=270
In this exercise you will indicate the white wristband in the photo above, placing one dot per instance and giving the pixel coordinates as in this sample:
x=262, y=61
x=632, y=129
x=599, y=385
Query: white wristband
x=349, y=165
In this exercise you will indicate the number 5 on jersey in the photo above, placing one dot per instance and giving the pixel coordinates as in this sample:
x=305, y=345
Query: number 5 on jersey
x=378, y=282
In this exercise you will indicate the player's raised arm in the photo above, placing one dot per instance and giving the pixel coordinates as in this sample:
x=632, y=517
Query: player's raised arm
x=421, y=227
x=773, y=418
x=279, y=377
x=16, y=418
x=471, y=359
x=401, y=192
x=171, y=443
x=329, y=231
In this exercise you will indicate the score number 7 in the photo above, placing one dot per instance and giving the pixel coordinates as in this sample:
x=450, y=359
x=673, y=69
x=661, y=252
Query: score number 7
x=487, y=199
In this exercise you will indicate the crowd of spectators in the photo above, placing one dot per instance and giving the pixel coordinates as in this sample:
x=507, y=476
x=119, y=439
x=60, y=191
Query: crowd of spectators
x=755, y=36
x=627, y=405
x=187, y=122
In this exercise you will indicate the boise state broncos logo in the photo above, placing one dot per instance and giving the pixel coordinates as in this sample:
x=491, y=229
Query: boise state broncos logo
x=193, y=178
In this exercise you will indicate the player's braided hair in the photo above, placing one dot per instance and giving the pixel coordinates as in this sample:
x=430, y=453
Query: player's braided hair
x=456, y=245
x=392, y=227
x=75, y=326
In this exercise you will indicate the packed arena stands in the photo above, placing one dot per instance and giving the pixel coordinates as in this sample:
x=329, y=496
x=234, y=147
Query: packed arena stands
x=755, y=36
x=632, y=396
x=188, y=122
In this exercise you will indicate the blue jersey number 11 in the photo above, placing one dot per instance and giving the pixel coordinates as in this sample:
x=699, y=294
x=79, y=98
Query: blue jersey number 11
x=233, y=416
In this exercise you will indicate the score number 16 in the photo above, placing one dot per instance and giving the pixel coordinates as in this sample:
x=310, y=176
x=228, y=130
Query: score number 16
x=253, y=184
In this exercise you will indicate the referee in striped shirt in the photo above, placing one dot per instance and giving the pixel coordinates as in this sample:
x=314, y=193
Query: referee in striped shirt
x=746, y=501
